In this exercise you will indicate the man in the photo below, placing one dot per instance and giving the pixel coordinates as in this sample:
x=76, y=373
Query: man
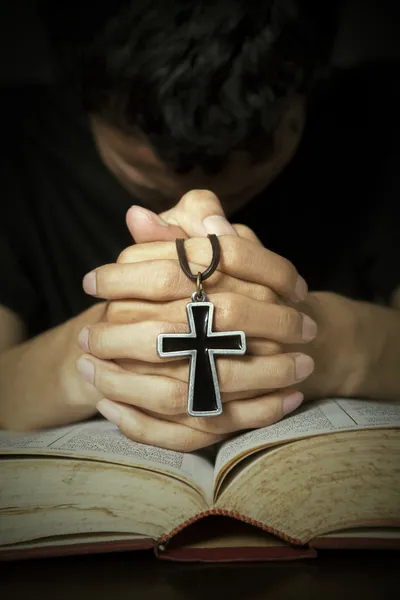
x=225, y=107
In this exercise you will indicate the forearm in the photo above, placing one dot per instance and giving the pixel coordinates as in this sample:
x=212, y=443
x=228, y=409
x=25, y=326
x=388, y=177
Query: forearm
x=39, y=383
x=380, y=347
x=356, y=351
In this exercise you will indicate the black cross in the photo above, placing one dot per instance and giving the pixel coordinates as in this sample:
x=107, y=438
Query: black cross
x=201, y=344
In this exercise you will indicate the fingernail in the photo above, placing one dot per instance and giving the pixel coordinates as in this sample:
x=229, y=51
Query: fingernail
x=301, y=289
x=218, y=225
x=290, y=403
x=83, y=339
x=309, y=329
x=86, y=369
x=110, y=411
x=149, y=216
x=304, y=366
x=89, y=283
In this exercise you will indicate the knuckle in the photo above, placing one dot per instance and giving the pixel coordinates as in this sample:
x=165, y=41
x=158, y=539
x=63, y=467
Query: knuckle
x=138, y=433
x=172, y=328
x=167, y=278
x=230, y=306
x=261, y=415
x=125, y=255
x=173, y=401
x=287, y=276
x=243, y=230
x=289, y=322
x=273, y=412
x=233, y=249
x=189, y=198
x=227, y=374
x=193, y=197
x=269, y=348
x=288, y=370
x=278, y=372
x=178, y=328
x=108, y=279
x=216, y=281
x=109, y=386
x=116, y=312
x=101, y=380
x=213, y=427
x=264, y=294
x=96, y=341
x=269, y=296
x=188, y=442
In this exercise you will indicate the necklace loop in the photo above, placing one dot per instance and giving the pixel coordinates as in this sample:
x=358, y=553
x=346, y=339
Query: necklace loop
x=183, y=261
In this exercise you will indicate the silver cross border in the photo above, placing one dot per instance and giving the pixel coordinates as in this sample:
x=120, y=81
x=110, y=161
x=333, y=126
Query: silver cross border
x=201, y=345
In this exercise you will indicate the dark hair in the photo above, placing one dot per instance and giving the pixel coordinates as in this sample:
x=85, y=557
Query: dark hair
x=197, y=78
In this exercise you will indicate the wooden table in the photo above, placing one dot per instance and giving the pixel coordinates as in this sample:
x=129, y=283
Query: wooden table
x=139, y=576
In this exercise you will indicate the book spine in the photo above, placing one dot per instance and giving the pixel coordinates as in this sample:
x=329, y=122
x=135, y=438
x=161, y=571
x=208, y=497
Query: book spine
x=163, y=540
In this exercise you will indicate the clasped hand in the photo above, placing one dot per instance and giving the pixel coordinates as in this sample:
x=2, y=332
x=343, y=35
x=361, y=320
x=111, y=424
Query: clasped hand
x=253, y=290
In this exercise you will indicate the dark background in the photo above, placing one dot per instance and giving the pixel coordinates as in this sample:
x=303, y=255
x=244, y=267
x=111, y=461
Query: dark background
x=344, y=575
x=369, y=29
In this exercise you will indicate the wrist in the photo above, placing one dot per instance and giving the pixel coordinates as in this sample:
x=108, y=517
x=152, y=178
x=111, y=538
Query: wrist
x=78, y=394
x=338, y=349
x=378, y=335
x=40, y=386
x=356, y=351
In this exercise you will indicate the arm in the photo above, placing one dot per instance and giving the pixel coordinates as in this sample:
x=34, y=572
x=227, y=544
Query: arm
x=12, y=329
x=357, y=350
x=40, y=386
x=381, y=369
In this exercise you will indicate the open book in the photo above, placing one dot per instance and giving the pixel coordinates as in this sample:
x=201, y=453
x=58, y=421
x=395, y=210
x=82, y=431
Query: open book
x=326, y=476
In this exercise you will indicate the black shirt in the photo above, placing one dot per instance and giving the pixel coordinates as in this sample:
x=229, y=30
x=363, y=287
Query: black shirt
x=333, y=211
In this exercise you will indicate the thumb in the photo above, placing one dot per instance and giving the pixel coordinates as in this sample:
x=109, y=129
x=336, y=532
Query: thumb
x=145, y=226
x=199, y=213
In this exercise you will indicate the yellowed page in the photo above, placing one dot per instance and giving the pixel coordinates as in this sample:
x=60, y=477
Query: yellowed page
x=100, y=440
x=43, y=497
x=316, y=418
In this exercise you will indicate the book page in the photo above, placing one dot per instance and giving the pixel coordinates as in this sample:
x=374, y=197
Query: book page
x=316, y=418
x=100, y=440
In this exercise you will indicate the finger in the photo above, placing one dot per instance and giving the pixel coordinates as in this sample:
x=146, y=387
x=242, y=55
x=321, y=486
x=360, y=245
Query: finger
x=246, y=374
x=262, y=347
x=161, y=280
x=255, y=347
x=232, y=312
x=180, y=370
x=271, y=322
x=198, y=213
x=113, y=341
x=259, y=372
x=108, y=381
x=146, y=226
x=158, y=394
x=134, y=311
x=134, y=341
x=239, y=415
x=245, y=232
x=145, y=429
x=239, y=258
x=138, y=341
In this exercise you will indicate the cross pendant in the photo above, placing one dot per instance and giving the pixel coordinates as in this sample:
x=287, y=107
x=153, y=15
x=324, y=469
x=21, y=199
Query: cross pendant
x=201, y=345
